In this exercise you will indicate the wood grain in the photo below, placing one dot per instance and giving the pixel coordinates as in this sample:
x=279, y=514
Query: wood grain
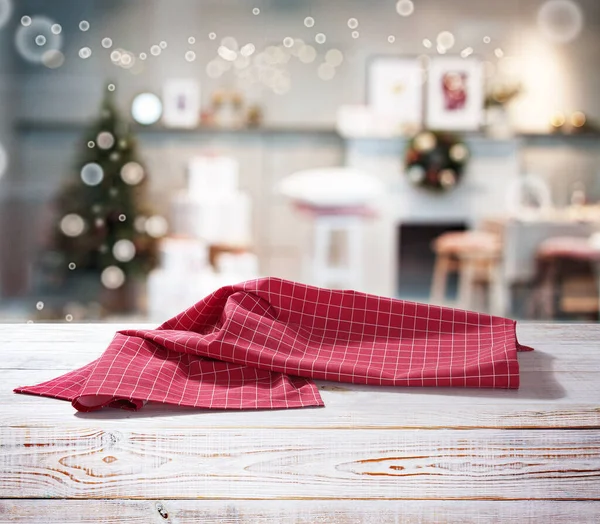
x=289, y=464
x=296, y=512
x=372, y=455
x=565, y=401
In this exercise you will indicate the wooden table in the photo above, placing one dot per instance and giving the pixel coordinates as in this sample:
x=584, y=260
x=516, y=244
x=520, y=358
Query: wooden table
x=372, y=455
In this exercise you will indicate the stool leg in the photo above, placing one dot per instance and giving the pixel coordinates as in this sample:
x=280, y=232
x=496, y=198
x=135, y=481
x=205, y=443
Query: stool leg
x=355, y=252
x=497, y=291
x=466, y=282
x=440, y=279
x=322, y=252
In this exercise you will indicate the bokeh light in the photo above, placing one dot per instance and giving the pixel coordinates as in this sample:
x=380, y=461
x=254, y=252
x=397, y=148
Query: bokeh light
x=155, y=50
x=212, y=36
x=124, y=250
x=560, y=21
x=156, y=226
x=558, y=119
x=355, y=34
x=132, y=173
x=247, y=50
x=107, y=43
x=28, y=39
x=105, y=140
x=56, y=29
x=334, y=57
x=320, y=38
x=92, y=174
x=112, y=277
x=85, y=52
x=146, y=108
x=309, y=21
x=307, y=54
x=26, y=21
x=326, y=71
x=446, y=40
x=578, y=119
x=72, y=225
x=405, y=7
x=84, y=25
x=466, y=52
x=190, y=56
x=352, y=23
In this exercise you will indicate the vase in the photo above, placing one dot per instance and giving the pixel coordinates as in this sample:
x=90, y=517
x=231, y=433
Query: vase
x=498, y=124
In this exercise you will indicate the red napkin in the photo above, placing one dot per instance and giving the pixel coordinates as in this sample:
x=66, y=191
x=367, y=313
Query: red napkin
x=260, y=343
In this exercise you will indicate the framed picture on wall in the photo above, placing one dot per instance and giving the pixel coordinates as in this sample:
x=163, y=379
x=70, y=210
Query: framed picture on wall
x=181, y=103
x=395, y=92
x=455, y=94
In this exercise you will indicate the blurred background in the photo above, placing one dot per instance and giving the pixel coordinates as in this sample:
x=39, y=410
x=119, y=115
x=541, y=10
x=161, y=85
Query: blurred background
x=444, y=151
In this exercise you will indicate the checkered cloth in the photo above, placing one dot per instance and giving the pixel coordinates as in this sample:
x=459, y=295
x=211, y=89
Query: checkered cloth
x=260, y=343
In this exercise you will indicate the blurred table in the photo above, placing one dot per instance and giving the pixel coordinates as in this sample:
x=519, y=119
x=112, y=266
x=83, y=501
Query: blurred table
x=372, y=454
x=521, y=239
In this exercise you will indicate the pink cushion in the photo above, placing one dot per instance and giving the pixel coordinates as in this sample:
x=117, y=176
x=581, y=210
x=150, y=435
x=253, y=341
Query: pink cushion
x=459, y=242
x=568, y=247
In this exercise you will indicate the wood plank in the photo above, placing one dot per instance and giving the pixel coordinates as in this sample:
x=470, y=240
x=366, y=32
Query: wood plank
x=559, y=347
x=545, y=400
x=290, y=464
x=296, y=512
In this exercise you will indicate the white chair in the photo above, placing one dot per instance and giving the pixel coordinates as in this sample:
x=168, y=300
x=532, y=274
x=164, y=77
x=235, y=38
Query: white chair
x=528, y=196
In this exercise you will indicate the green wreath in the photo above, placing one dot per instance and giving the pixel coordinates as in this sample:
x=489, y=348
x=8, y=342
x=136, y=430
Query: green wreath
x=435, y=160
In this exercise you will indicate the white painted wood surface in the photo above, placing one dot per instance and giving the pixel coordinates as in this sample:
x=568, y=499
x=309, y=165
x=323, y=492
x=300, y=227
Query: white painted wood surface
x=370, y=455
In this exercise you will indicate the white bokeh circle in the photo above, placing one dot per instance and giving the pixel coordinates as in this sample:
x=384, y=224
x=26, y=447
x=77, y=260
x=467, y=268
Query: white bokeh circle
x=112, y=277
x=132, y=173
x=146, y=109
x=27, y=39
x=560, y=21
x=124, y=250
x=92, y=174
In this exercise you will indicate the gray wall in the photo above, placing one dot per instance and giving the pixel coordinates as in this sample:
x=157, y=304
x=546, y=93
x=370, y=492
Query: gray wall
x=72, y=93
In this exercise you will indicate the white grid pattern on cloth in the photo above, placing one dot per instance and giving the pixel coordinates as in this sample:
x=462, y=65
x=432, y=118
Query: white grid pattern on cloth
x=260, y=343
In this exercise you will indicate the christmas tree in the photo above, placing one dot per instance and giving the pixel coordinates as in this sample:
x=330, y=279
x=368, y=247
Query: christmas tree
x=104, y=226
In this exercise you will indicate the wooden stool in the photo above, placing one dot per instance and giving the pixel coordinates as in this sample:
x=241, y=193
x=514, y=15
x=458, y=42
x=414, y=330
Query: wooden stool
x=476, y=256
x=552, y=255
x=328, y=220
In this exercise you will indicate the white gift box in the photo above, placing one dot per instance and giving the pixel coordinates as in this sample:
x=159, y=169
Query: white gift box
x=212, y=175
x=217, y=219
x=183, y=255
